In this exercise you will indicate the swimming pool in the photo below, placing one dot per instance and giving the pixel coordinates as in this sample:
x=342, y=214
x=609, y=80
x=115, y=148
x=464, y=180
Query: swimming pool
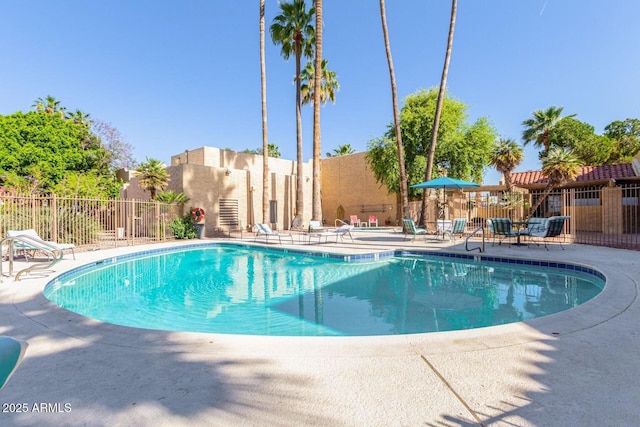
x=241, y=289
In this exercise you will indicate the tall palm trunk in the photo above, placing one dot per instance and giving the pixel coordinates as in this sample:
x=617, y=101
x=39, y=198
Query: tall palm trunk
x=265, y=139
x=507, y=181
x=317, y=200
x=440, y=102
x=396, y=116
x=300, y=169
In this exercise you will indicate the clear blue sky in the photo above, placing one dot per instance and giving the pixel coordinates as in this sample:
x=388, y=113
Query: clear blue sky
x=176, y=75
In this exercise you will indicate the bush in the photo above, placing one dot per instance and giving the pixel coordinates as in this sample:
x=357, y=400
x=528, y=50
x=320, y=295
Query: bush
x=184, y=228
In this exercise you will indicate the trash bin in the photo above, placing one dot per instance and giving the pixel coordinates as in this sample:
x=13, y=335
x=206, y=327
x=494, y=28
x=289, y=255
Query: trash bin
x=200, y=228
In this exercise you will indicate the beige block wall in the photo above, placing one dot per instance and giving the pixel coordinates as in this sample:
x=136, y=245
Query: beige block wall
x=204, y=186
x=348, y=181
x=207, y=174
x=219, y=158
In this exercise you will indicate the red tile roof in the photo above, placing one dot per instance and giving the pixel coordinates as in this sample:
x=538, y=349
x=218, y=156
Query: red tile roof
x=588, y=174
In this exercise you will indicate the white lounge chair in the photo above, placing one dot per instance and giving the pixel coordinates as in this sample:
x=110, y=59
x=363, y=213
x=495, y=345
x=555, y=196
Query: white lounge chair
x=339, y=232
x=33, y=243
x=265, y=231
x=315, y=227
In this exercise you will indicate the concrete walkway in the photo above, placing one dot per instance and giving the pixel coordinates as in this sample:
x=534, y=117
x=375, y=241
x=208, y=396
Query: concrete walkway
x=578, y=368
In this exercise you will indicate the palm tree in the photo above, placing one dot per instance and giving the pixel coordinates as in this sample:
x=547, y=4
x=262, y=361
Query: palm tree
x=342, y=150
x=559, y=165
x=152, y=176
x=328, y=85
x=293, y=30
x=265, y=140
x=49, y=105
x=317, y=98
x=79, y=117
x=273, y=151
x=505, y=157
x=171, y=197
x=404, y=193
x=439, y=103
x=539, y=127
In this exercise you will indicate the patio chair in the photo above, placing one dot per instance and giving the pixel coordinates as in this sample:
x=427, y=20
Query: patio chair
x=265, y=231
x=11, y=353
x=354, y=220
x=373, y=220
x=34, y=243
x=409, y=227
x=535, y=225
x=554, y=227
x=459, y=226
x=501, y=230
x=339, y=232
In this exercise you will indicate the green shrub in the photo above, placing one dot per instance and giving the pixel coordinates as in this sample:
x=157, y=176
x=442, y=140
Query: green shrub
x=184, y=228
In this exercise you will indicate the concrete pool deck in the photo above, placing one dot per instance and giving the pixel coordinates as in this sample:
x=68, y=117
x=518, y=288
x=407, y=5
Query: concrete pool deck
x=580, y=367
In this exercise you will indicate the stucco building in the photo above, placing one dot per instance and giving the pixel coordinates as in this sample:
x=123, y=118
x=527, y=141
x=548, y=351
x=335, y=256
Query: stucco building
x=228, y=185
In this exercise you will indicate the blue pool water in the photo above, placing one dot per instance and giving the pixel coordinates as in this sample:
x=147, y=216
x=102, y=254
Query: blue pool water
x=243, y=290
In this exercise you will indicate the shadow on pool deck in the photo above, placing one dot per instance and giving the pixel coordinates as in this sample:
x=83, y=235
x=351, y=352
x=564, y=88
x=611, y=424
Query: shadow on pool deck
x=574, y=368
x=110, y=375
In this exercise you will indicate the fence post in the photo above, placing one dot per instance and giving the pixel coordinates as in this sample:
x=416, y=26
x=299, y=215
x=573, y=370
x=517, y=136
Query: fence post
x=54, y=218
x=34, y=212
x=159, y=237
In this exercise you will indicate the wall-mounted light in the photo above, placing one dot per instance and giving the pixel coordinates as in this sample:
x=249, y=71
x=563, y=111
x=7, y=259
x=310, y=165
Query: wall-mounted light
x=307, y=178
x=227, y=172
x=252, y=189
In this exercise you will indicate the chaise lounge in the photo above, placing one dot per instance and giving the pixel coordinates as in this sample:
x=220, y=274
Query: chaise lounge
x=33, y=243
x=339, y=232
x=265, y=231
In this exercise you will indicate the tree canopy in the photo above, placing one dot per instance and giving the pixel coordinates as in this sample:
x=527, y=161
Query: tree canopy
x=51, y=150
x=153, y=176
x=120, y=151
x=581, y=139
x=463, y=149
x=625, y=135
x=39, y=150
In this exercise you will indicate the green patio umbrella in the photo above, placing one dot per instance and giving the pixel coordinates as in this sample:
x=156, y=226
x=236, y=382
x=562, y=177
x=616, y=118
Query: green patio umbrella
x=445, y=182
